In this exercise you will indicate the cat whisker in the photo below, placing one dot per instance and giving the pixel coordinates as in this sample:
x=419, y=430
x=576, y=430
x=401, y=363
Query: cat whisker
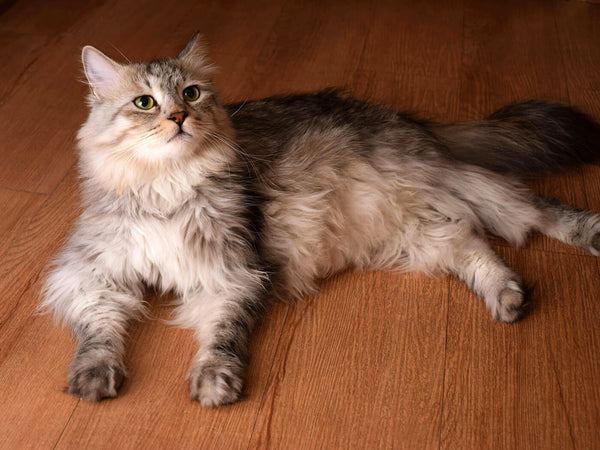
x=215, y=145
x=118, y=153
x=235, y=148
x=121, y=53
x=239, y=108
x=249, y=159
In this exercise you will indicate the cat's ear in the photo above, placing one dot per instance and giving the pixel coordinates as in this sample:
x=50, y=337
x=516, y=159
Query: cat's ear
x=195, y=48
x=195, y=55
x=102, y=72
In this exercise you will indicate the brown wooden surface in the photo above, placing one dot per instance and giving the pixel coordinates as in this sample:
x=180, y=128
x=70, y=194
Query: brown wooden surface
x=376, y=360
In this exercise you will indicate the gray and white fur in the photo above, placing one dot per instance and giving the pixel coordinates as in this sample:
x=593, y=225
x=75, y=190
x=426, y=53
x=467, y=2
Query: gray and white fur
x=231, y=206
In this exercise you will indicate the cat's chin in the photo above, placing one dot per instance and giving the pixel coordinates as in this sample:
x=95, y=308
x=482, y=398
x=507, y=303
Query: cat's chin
x=180, y=136
x=176, y=148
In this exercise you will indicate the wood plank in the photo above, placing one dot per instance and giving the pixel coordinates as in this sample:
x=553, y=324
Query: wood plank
x=359, y=366
x=18, y=51
x=412, y=57
x=533, y=384
x=311, y=46
x=45, y=17
x=34, y=353
x=510, y=54
x=577, y=25
x=32, y=74
x=53, y=111
x=32, y=378
x=23, y=262
x=17, y=210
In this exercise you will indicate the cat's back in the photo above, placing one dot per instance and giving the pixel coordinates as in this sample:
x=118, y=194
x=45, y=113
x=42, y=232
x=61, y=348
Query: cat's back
x=266, y=127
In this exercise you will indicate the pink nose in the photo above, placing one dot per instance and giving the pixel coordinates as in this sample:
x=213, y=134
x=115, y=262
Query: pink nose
x=178, y=117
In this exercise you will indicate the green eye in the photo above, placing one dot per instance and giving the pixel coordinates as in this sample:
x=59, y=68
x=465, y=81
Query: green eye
x=191, y=93
x=144, y=102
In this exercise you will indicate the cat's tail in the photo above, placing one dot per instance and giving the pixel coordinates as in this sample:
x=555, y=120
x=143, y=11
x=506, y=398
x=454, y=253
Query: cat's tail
x=525, y=139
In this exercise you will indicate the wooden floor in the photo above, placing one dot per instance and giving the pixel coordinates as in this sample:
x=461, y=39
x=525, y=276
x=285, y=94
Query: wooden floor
x=376, y=360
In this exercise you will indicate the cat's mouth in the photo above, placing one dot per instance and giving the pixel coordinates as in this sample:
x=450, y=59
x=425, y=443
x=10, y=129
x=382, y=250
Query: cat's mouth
x=179, y=135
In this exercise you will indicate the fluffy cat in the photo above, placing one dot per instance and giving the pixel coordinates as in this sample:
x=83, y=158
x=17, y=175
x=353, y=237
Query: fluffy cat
x=231, y=206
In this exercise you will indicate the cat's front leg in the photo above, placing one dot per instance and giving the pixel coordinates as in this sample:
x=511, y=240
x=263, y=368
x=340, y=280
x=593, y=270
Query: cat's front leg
x=98, y=308
x=97, y=370
x=223, y=322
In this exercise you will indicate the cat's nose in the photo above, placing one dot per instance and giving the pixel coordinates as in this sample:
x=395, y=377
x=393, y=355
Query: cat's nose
x=178, y=117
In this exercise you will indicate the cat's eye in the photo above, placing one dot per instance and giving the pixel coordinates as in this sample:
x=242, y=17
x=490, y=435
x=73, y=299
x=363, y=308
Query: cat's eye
x=191, y=93
x=144, y=102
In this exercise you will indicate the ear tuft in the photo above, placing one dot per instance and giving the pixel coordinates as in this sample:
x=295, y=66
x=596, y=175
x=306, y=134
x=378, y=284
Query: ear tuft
x=195, y=55
x=195, y=48
x=102, y=72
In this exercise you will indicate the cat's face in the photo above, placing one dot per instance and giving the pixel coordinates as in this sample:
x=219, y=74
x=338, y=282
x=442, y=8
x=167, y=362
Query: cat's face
x=145, y=117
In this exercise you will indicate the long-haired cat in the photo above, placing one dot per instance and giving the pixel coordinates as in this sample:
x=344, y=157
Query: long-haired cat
x=230, y=206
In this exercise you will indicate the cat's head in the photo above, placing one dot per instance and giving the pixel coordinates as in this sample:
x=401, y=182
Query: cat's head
x=147, y=118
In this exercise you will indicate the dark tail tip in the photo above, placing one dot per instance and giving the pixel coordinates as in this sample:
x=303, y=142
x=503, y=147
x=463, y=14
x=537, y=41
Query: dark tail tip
x=569, y=135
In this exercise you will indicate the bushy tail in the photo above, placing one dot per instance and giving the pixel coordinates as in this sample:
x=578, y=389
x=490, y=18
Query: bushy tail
x=525, y=139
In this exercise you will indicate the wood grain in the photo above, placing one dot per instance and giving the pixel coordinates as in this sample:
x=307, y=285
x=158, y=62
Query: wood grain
x=17, y=210
x=44, y=136
x=34, y=354
x=293, y=60
x=412, y=57
x=32, y=380
x=49, y=17
x=527, y=385
x=22, y=264
x=354, y=373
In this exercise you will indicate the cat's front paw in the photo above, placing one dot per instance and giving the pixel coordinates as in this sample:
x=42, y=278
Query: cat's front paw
x=95, y=380
x=216, y=383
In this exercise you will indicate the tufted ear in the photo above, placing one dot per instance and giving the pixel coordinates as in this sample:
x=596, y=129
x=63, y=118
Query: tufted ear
x=195, y=55
x=102, y=72
x=194, y=49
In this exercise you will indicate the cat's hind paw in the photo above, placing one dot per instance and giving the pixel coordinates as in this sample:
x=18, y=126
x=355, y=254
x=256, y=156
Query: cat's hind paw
x=595, y=244
x=511, y=303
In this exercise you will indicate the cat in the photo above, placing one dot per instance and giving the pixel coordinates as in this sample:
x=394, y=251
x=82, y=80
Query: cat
x=231, y=207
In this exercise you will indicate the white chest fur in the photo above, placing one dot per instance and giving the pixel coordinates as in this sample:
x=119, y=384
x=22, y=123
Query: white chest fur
x=156, y=250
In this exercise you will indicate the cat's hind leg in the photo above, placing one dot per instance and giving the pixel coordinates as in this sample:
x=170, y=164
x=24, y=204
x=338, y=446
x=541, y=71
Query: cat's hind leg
x=502, y=290
x=510, y=210
x=453, y=247
x=570, y=225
